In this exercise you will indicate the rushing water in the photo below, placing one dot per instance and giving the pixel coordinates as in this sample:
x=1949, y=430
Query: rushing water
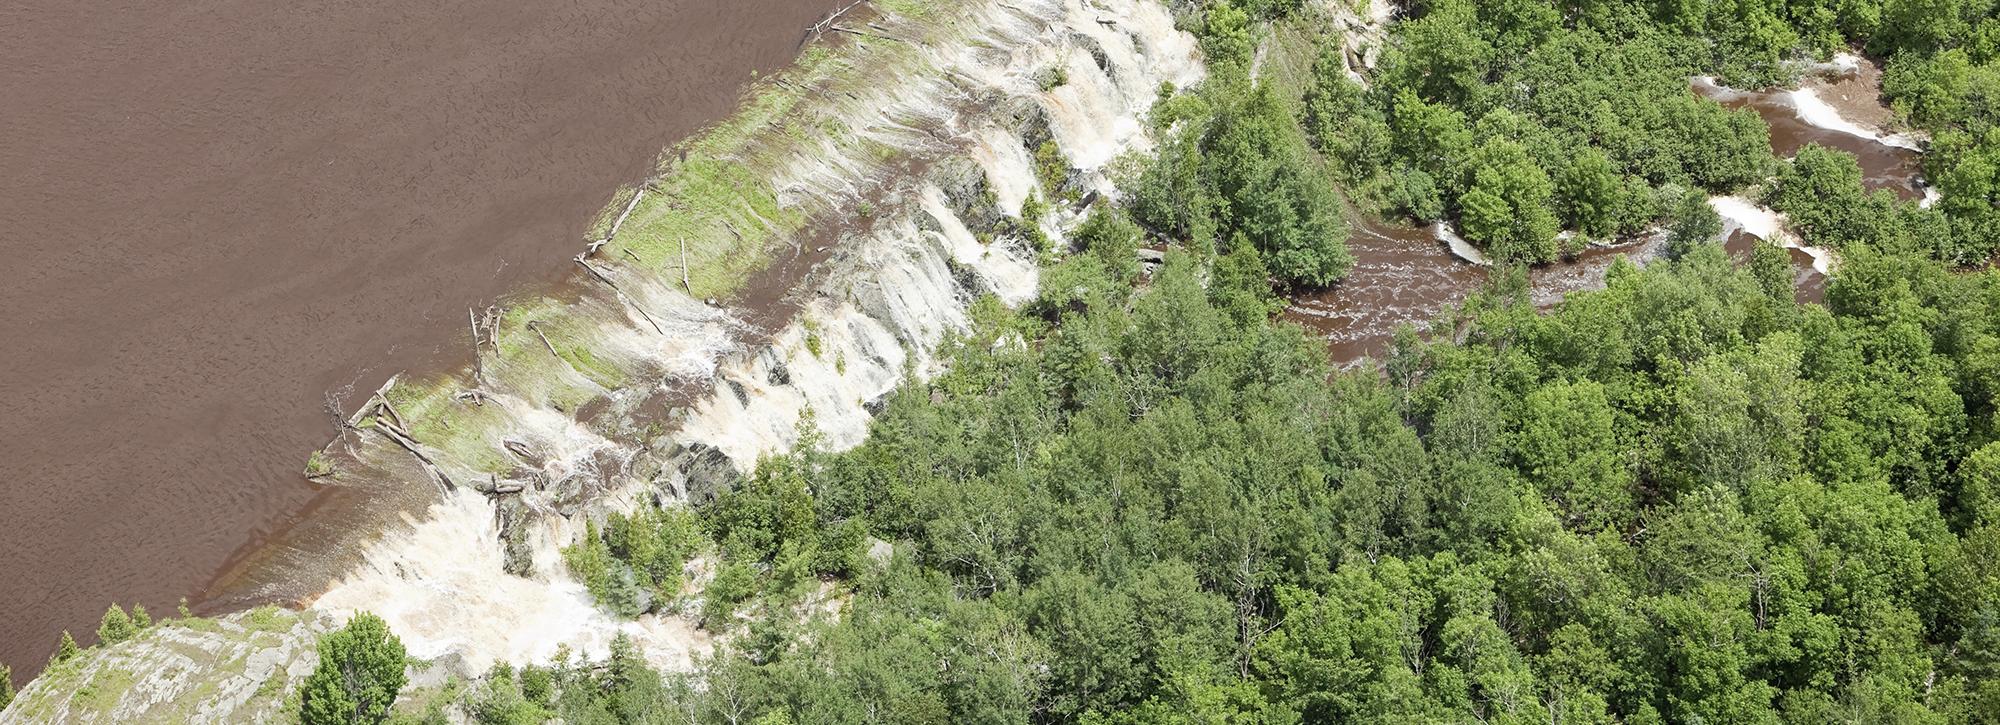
x=1800, y=117
x=219, y=212
x=958, y=116
x=1404, y=275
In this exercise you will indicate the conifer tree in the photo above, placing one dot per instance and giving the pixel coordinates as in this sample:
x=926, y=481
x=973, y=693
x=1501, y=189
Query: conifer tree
x=116, y=626
x=65, y=649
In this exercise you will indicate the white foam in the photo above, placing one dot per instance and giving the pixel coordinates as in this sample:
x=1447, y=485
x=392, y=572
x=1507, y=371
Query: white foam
x=1459, y=246
x=1815, y=111
x=441, y=586
x=1009, y=171
x=1769, y=225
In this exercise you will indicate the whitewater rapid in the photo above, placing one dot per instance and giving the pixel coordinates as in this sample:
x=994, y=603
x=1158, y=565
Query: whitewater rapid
x=972, y=110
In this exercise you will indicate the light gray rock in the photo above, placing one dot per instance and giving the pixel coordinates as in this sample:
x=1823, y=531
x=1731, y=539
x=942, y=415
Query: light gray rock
x=232, y=669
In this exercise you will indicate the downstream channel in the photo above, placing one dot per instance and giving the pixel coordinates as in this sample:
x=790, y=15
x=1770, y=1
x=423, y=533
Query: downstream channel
x=263, y=211
x=1407, y=275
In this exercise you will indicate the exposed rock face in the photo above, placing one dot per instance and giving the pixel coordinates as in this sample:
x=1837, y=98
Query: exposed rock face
x=233, y=669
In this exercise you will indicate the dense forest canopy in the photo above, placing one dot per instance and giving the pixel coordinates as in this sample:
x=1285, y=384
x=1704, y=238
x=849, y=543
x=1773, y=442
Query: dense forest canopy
x=1685, y=498
x=1518, y=119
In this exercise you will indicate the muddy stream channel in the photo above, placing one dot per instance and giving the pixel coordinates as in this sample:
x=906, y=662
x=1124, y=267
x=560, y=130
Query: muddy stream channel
x=1407, y=275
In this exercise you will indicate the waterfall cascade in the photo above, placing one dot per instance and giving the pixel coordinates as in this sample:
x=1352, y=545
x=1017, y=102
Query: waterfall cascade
x=964, y=120
x=875, y=191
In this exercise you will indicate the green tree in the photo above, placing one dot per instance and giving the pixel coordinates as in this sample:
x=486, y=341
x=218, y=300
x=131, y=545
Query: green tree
x=116, y=626
x=1227, y=39
x=1569, y=447
x=1445, y=56
x=6, y=686
x=1507, y=207
x=1693, y=223
x=359, y=675
x=1589, y=194
x=1821, y=190
x=1276, y=197
x=66, y=649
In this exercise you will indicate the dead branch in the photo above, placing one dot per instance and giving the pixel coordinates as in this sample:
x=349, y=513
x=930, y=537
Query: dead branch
x=386, y=405
x=685, y=284
x=537, y=327
x=478, y=369
x=368, y=406
x=828, y=21
x=851, y=31
x=616, y=223
x=493, y=315
x=402, y=438
x=621, y=295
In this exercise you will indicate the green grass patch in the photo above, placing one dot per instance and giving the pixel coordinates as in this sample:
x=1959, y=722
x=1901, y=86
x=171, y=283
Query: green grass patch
x=198, y=624
x=724, y=210
x=908, y=8
x=270, y=618
x=104, y=690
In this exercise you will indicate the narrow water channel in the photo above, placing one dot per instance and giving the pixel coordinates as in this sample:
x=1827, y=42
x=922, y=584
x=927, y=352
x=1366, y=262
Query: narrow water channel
x=1406, y=275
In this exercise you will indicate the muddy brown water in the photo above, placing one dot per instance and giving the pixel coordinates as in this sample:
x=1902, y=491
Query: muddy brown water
x=1404, y=275
x=1883, y=166
x=218, y=212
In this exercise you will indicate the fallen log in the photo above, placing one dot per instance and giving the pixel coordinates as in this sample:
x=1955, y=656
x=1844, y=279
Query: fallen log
x=402, y=438
x=386, y=405
x=537, y=327
x=685, y=284
x=621, y=294
x=821, y=26
x=374, y=399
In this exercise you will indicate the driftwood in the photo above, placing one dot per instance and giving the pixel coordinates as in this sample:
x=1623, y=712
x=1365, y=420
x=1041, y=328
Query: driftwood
x=374, y=399
x=685, y=284
x=851, y=31
x=621, y=294
x=616, y=223
x=391, y=407
x=493, y=314
x=537, y=327
x=827, y=22
x=402, y=438
x=478, y=366
x=521, y=451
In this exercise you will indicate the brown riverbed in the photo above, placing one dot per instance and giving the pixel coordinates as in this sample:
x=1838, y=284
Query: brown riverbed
x=219, y=212
x=1405, y=275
